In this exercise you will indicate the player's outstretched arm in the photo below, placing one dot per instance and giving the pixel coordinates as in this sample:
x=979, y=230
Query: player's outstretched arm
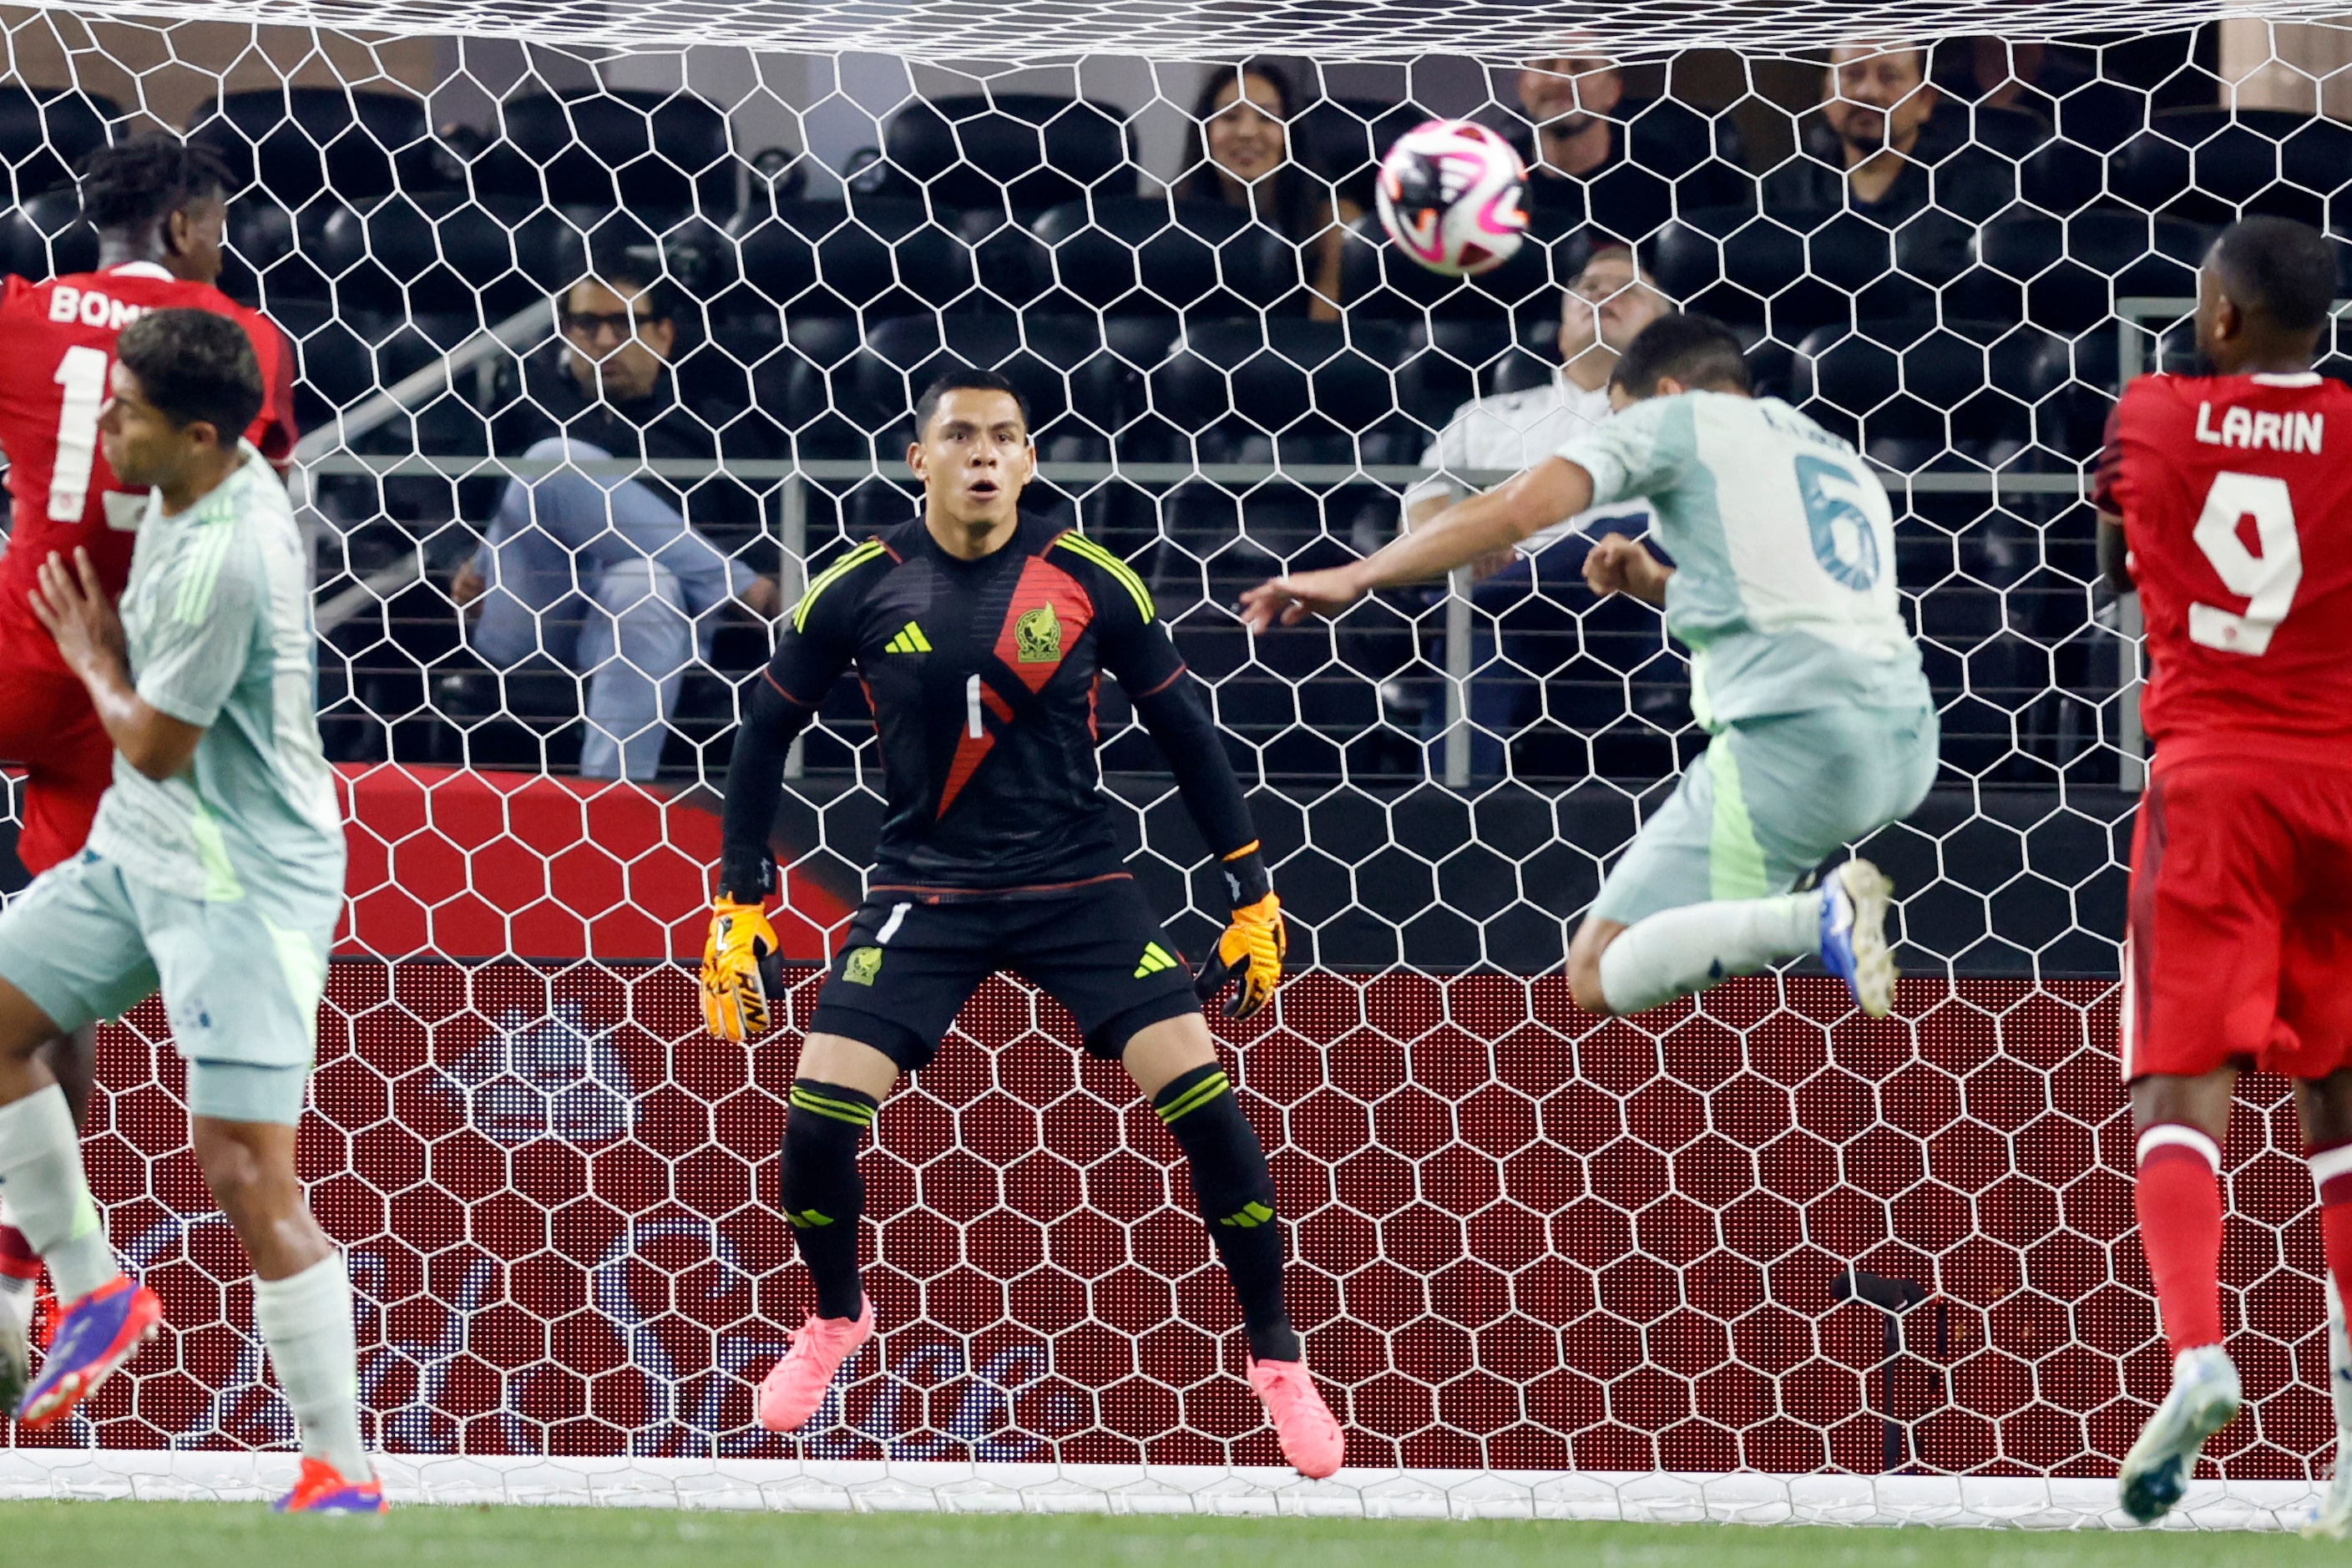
x=72, y=603
x=1552, y=492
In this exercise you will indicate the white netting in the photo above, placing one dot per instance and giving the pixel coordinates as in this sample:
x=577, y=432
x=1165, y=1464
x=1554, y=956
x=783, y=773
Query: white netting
x=1525, y=1242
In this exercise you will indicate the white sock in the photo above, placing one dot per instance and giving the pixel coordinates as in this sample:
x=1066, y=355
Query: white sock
x=1677, y=952
x=2339, y=1376
x=48, y=1196
x=306, y=1323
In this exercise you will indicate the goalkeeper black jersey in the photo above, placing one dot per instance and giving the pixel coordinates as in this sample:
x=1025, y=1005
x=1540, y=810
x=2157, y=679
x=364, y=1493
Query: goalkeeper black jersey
x=984, y=676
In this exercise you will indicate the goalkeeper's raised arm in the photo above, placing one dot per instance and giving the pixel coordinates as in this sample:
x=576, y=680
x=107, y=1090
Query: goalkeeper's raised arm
x=980, y=637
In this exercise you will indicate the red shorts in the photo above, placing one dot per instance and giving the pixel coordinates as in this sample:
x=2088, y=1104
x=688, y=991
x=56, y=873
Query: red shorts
x=2238, y=948
x=49, y=728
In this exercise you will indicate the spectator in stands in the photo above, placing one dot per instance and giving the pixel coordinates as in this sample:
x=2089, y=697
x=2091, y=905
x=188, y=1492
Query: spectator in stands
x=1879, y=148
x=609, y=577
x=1241, y=156
x=1606, y=305
x=1624, y=166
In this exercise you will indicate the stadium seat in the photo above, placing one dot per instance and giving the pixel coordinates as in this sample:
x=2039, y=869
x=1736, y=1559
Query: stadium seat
x=875, y=256
x=1918, y=393
x=1343, y=140
x=1750, y=271
x=1325, y=388
x=299, y=142
x=1147, y=255
x=1376, y=279
x=44, y=132
x=1012, y=152
x=45, y=236
x=2212, y=166
x=425, y=253
x=1077, y=394
x=663, y=156
x=2065, y=275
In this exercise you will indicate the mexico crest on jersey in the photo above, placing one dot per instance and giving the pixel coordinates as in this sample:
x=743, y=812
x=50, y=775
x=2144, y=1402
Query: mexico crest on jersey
x=1038, y=635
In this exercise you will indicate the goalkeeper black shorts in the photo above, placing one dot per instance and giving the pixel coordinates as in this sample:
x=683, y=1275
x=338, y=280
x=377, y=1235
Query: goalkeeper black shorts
x=912, y=961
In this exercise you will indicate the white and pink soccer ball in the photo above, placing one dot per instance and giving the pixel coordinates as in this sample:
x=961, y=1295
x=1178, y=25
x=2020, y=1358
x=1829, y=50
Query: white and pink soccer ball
x=1450, y=196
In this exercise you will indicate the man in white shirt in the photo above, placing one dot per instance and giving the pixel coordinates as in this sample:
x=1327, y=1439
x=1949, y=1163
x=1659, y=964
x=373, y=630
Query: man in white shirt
x=1604, y=308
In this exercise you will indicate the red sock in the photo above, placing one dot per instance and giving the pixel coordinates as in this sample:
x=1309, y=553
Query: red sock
x=2331, y=1171
x=2179, y=1200
x=17, y=1258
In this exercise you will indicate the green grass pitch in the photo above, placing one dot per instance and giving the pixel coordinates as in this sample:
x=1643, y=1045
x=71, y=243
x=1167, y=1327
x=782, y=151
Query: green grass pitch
x=202, y=1535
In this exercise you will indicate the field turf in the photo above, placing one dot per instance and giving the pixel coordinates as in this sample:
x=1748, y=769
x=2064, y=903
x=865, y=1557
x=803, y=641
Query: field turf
x=202, y=1535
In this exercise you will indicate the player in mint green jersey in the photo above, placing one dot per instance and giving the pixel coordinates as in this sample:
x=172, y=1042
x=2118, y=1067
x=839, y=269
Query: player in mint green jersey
x=214, y=873
x=1783, y=589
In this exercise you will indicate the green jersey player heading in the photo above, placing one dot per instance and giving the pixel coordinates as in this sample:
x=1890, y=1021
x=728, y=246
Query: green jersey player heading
x=1801, y=666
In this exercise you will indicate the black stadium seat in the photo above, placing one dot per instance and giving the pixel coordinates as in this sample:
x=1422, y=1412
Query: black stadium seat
x=1748, y=270
x=45, y=236
x=44, y=132
x=423, y=253
x=1344, y=139
x=1011, y=153
x=1311, y=391
x=299, y=144
x=664, y=157
x=1149, y=255
x=2065, y=275
x=1916, y=393
x=1077, y=394
x=875, y=256
x=1376, y=279
x=2212, y=166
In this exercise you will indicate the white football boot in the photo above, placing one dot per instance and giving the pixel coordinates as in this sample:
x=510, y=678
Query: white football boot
x=2204, y=1399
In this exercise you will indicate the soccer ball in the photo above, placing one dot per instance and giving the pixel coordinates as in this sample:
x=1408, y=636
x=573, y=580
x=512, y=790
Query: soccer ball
x=1449, y=195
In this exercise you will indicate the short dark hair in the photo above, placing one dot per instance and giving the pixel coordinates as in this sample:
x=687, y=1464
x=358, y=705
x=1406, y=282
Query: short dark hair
x=629, y=268
x=2279, y=269
x=193, y=364
x=1696, y=350
x=141, y=182
x=966, y=380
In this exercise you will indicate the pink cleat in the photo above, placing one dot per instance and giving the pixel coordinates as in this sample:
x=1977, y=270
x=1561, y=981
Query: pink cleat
x=1303, y=1424
x=796, y=1386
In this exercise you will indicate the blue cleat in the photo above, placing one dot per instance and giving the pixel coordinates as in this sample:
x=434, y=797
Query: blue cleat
x=95, y=1336
x=2203, y=1399
x=321, y=1488
x=1854, y=901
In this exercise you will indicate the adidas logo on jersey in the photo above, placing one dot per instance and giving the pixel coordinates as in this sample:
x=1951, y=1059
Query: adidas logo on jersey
x=911, y=639
x=1155, y=959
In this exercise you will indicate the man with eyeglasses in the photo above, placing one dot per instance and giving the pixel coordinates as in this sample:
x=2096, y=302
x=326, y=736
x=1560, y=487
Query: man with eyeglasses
x=610, y=576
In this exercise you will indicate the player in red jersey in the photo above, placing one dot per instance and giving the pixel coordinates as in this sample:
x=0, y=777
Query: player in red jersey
x=159, y=210
x=2226, y=499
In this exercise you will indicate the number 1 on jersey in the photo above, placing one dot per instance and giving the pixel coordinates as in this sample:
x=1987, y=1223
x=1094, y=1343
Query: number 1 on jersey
x=2268, y=580
x=971, y=708
x=82, y=374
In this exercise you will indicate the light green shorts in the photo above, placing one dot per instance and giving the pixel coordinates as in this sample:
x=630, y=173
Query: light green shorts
x=1771, y=799
x=240, y=987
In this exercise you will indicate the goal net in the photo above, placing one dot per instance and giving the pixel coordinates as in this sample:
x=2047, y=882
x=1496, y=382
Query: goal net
x=1749, y=1257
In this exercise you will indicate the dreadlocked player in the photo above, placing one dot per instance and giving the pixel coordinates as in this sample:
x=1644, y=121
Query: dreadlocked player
x=981, y=637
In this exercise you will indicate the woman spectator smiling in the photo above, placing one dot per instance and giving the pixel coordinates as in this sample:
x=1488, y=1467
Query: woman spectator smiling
x=1242, y=156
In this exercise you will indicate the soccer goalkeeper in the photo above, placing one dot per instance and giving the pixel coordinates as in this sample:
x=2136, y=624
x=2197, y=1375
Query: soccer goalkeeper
x=981, y=636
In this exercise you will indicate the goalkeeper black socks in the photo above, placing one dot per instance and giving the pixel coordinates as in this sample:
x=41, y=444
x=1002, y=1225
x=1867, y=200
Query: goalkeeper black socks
x=822, y=1193
x=1235, y=1191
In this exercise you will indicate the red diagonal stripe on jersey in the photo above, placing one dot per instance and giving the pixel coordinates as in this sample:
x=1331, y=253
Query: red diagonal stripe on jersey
x=1042, y=583
x=968, y=754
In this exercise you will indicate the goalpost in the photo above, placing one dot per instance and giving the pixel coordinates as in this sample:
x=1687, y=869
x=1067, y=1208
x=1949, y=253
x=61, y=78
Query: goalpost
x=1749, y=1258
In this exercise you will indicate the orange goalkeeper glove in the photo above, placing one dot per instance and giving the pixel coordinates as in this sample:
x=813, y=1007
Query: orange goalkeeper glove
x=1252, y=947
x=742, y=970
